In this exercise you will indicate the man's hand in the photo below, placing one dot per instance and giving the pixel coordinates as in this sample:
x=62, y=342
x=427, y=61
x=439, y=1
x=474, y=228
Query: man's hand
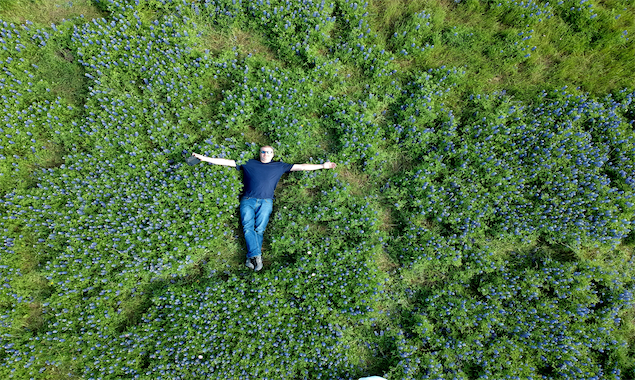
x=329, y=165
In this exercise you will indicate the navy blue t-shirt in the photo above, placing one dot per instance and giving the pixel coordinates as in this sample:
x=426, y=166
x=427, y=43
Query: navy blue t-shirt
x=260, y=179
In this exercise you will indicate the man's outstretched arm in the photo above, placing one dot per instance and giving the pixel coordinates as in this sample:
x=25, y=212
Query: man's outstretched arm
x=215, y=161
x=326, y=165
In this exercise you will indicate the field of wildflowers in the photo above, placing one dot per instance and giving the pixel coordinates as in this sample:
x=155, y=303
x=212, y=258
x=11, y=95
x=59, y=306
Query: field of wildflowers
x=462, y=235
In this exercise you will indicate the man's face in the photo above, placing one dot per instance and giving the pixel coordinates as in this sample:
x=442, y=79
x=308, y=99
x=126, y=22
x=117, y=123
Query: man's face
x=266, y=154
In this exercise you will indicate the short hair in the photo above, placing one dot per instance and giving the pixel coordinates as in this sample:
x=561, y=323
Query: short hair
x=267, y=146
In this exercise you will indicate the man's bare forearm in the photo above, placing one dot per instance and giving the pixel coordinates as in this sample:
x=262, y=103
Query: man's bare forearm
x=311, y=167
x=215, y=161
x=305, y=167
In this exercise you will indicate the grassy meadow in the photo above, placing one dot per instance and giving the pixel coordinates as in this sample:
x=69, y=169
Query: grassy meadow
x=479, y=224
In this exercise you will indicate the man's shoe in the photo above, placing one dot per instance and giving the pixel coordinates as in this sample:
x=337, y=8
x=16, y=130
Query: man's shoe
x=249, y=264
x=258, y=263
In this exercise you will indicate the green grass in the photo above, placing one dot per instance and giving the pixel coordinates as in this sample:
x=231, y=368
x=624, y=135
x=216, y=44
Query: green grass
x=469, y=34
x=61, y=71
x=599, y=60
x=46, y=12
x=59, y=75
x=596, y=57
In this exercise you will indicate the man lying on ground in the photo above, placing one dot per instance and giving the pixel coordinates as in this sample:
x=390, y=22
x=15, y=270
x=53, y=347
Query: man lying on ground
x=260, y=178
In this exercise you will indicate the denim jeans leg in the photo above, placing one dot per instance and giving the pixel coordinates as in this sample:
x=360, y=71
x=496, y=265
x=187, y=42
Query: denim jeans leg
x=262, y=218
x=248, y=217
x=254, y=214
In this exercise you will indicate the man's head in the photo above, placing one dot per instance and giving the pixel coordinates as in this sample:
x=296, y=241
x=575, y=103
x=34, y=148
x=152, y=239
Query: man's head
x=266, y=154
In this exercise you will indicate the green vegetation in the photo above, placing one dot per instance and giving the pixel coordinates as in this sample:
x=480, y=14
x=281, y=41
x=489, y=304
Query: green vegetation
x=567, y=45
x=479, y=223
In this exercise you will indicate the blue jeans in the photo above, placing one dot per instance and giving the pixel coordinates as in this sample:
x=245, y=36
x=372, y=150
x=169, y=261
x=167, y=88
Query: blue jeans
x=254, y=215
